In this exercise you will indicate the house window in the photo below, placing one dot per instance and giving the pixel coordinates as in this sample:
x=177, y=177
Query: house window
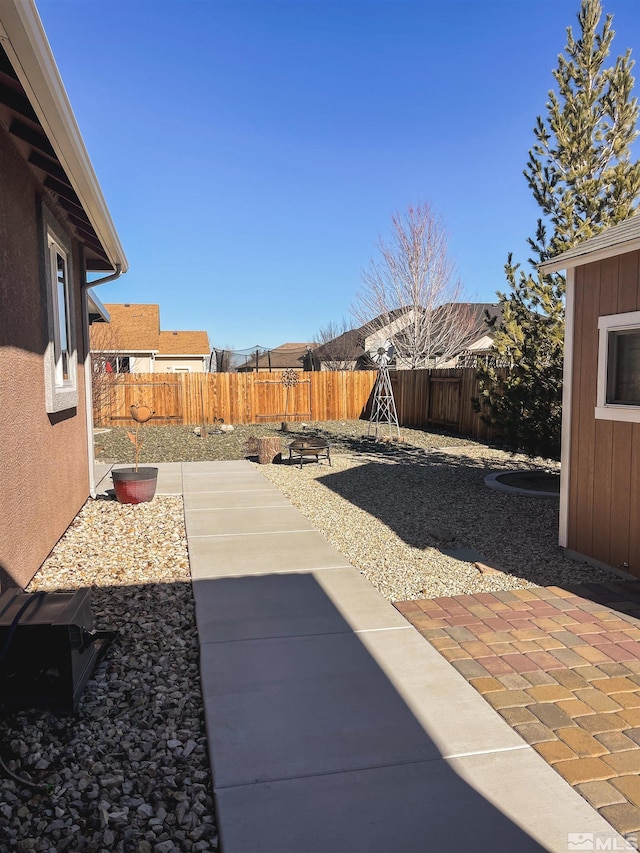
x=62, y=336
x=618, y=394
x=60, y=359
x=118, y=364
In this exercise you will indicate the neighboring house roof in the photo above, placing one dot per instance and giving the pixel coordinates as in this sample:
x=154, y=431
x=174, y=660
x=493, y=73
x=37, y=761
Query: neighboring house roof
x=183, y=343
x=136, y=328
x=477, y=312
x=36, y=111
x=349, y=346
x=352, y=344
x=624, y=237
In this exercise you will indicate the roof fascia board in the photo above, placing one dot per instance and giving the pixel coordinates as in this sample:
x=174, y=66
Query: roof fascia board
x=142, y=353
x=557, y=264
x=24, y=39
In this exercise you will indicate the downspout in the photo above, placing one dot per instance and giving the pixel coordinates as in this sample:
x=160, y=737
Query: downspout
x=87, y=369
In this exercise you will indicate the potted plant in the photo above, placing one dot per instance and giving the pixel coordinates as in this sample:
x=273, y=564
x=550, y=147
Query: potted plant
x=136, y=485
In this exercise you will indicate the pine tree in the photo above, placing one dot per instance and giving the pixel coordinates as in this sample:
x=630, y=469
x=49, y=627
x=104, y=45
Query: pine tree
x=581, y=175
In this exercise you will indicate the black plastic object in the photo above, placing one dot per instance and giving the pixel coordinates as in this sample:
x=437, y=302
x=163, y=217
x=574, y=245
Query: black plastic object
x=48, y=648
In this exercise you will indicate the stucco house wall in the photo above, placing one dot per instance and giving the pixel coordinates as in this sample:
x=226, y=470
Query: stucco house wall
x=43, y=458
x=55, y=228
x=141, y=363
x=167, y=364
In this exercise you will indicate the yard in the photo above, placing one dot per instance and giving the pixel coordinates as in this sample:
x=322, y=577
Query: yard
x=130, y=770
x=394, y=509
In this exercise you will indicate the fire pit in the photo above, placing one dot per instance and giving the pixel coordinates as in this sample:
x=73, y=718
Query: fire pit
x=303, y=447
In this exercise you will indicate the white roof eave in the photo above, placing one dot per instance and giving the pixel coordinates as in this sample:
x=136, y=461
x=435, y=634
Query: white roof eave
x=183, y=355
x=557, y=264
x=24, y=39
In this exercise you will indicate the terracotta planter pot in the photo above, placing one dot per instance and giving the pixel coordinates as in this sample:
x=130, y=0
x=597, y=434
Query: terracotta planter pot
x=134, y=487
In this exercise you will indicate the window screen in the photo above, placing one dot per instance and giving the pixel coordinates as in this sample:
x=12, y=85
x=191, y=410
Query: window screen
x=623, y=367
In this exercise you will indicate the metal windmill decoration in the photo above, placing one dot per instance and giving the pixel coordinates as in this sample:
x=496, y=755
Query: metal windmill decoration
x=383, y=410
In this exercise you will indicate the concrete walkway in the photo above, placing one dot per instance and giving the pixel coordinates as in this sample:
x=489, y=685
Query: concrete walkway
x=332, y=724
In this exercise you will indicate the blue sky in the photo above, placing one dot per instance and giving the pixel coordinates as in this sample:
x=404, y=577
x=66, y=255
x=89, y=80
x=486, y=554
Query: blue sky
x=251, y=153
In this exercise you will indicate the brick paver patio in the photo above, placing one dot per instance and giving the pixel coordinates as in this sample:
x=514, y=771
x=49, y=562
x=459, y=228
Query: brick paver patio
x=562, y=666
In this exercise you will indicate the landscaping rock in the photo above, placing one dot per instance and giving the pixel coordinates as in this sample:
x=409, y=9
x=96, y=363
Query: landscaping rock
x=115, y=773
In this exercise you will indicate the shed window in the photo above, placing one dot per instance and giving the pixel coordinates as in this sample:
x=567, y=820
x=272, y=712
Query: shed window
x=623, y=368
x=618, y=391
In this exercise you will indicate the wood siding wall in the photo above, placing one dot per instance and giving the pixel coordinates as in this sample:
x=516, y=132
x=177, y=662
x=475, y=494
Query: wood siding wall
x=604, y=486
x=424, y=398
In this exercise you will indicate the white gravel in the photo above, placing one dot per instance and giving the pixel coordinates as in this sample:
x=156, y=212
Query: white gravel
x=393, y=513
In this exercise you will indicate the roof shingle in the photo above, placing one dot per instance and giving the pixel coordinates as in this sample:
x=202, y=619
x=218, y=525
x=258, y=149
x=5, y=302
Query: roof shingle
x=136, y=328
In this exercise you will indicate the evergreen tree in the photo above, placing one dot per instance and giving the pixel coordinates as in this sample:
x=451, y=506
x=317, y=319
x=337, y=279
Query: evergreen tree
x=583, y=179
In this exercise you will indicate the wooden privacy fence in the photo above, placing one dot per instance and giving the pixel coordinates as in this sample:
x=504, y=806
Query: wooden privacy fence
x=237, y=398
x=441, y=399
x=424, y=398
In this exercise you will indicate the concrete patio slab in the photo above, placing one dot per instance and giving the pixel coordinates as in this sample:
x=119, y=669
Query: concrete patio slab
x=231, y=482
x=256, y=498
x=169, y=479
x=322, y=738
x=261, y=553
x=297, y=706
x=101, y=472
x=431, y=690
x=217, y=522
x=288, y=605
x=495, y=803
x=231, y=466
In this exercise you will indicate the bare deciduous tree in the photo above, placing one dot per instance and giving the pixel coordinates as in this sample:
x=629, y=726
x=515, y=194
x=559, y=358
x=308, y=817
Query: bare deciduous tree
x=411, y=295
x=107, y=365
x=338, y=346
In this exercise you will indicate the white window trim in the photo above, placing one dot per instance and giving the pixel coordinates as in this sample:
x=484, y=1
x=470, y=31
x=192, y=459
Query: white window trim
x=60, y=395
x=567, y=392
x=610, y=411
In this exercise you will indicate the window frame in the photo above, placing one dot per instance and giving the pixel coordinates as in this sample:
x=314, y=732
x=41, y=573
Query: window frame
x=627, y=322
x=61, y=392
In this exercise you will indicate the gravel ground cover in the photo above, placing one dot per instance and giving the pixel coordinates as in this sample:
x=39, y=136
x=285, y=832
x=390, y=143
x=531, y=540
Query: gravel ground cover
x=180, y=444
x=129, y=771
x=395, y=511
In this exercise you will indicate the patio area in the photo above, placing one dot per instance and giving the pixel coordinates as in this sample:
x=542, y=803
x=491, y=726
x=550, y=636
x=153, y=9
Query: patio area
x=331, y=723
x=562, y=667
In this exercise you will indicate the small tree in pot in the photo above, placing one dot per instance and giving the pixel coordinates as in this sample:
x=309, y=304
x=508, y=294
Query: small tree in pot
x=136, y=485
